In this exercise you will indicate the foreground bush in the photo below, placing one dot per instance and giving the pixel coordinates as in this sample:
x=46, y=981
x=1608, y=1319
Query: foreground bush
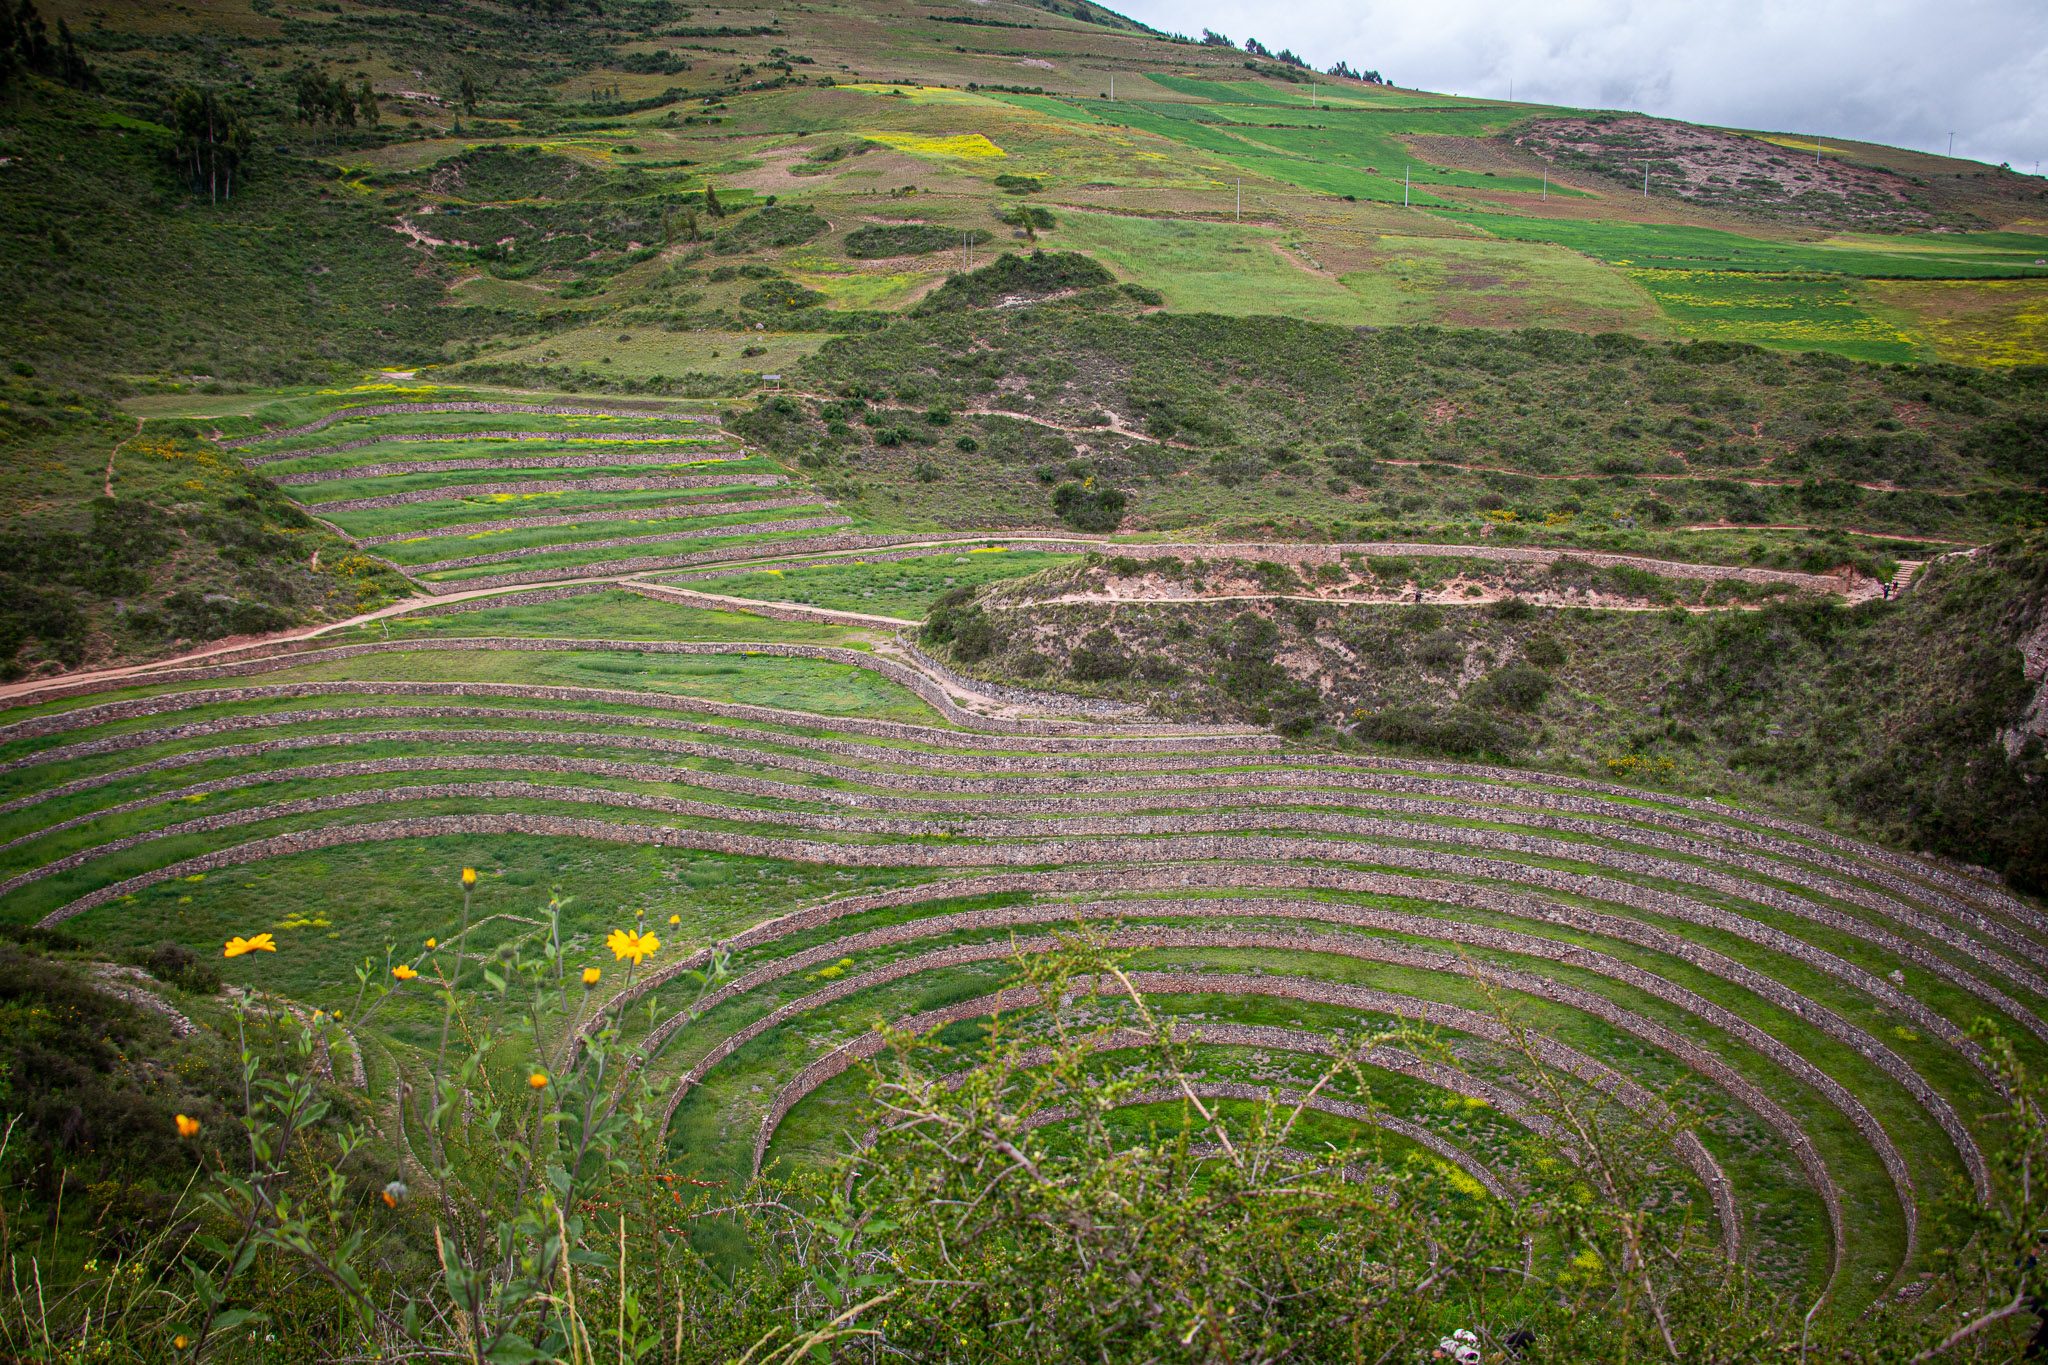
x=995, y=1212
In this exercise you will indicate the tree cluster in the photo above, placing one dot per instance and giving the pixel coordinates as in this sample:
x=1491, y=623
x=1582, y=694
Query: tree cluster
x=25, y=46
x=321, y=99
x=213, y=142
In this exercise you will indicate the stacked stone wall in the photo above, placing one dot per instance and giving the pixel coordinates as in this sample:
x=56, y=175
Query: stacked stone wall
x=591, y=514
x=501, y=409
x=436, y=438
x=453, y=492
x=605, y=460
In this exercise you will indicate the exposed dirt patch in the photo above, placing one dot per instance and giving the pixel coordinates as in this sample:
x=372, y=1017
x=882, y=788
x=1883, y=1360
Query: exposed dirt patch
x=1732, y=172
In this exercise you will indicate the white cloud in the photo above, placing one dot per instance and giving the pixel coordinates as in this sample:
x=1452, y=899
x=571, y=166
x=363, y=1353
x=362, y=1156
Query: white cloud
x=1904, y=72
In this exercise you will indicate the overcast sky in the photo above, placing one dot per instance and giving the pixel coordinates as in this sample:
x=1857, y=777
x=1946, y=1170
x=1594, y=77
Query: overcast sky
x=1904, y=72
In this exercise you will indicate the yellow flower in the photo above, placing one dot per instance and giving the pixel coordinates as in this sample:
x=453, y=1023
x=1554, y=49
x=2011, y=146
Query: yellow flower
x=187, y=1127
x=675, y=919
x=637, y=946
x=590, y=975
x=538, y=1081
x=403, y=972
x=181, y=1341
x=469, y=876
x=238, y=945
x=431, y=942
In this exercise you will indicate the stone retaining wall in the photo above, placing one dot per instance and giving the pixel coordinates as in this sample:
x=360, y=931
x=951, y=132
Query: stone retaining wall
x=454, y=492
x=749, y=528
x=503, y=409
x=1356, y=881
x=1555, y=1055
x=979, y=825
x=1973, y=889
x=598, y=513
x=1375, y=949
x=1300, y=554
x=1207, y=743
x=1126, y=833
x=1437, y=1074
x=610, y=459
x=430, y=437
x=895, y=672
x=921, y=551
x=1059, y=703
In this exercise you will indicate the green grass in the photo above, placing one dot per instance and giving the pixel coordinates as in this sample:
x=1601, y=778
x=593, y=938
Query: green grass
x=611, y=615
x=756, y=680
x=687, y=447
x=424, y=516
x=600, y=527
x=1422, y=281
x=1787, y=312
x=573, y=558
x=1662, y=246
x=904, y=588
x=1211, y=267
x=343, y=490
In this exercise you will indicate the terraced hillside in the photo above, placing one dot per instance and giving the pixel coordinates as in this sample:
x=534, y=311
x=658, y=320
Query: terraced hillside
x=869, y=848
x=572, y=582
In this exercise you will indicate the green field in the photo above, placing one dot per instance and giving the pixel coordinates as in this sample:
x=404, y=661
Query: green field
x=905, y=587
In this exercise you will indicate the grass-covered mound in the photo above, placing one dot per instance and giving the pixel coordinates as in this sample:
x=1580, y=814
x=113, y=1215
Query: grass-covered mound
x=909, y=239
x=1035, y=276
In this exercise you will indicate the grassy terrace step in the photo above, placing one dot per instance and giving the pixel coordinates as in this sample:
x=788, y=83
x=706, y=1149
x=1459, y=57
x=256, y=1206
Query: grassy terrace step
x=559, y=547
x=457, y=415
x=354, y=485
x=1741, y=1031
x=428, y=445
x=1594, y=842
x=1717, y=818
x=687, y=827
x=436, y=491
x=484, y=517
x=603, y=457
x=1420, y=996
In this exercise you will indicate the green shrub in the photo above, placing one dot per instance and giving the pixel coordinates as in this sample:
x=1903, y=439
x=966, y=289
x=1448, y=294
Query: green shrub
x=779, y=296
x=1088, y=509
x=909, y=239
x=1100, y=657
x=1544, y=651
x=1037, y=273
x=769, y=229
x=1511, y=609
x=1457, y=732
x=1518, y=687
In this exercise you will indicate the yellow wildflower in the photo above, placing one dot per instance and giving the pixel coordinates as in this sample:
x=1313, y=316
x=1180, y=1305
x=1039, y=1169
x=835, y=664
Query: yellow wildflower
x=238, y=945
x=187, y=1127
x=538, y=1081
x=590, y=975
x=403, y=972
x=627, y=944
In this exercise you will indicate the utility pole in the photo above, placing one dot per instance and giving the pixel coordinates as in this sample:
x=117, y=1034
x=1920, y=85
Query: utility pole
x=1646, y=180
x=1546, y=184
x=1816, y=149
x=1240, y=201
x=1951, y=144
x=1112, y=87
x=1404, y=187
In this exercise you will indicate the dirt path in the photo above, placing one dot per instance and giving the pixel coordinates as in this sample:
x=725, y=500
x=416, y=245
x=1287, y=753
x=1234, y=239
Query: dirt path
x=116, y=451
x=22, y=693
